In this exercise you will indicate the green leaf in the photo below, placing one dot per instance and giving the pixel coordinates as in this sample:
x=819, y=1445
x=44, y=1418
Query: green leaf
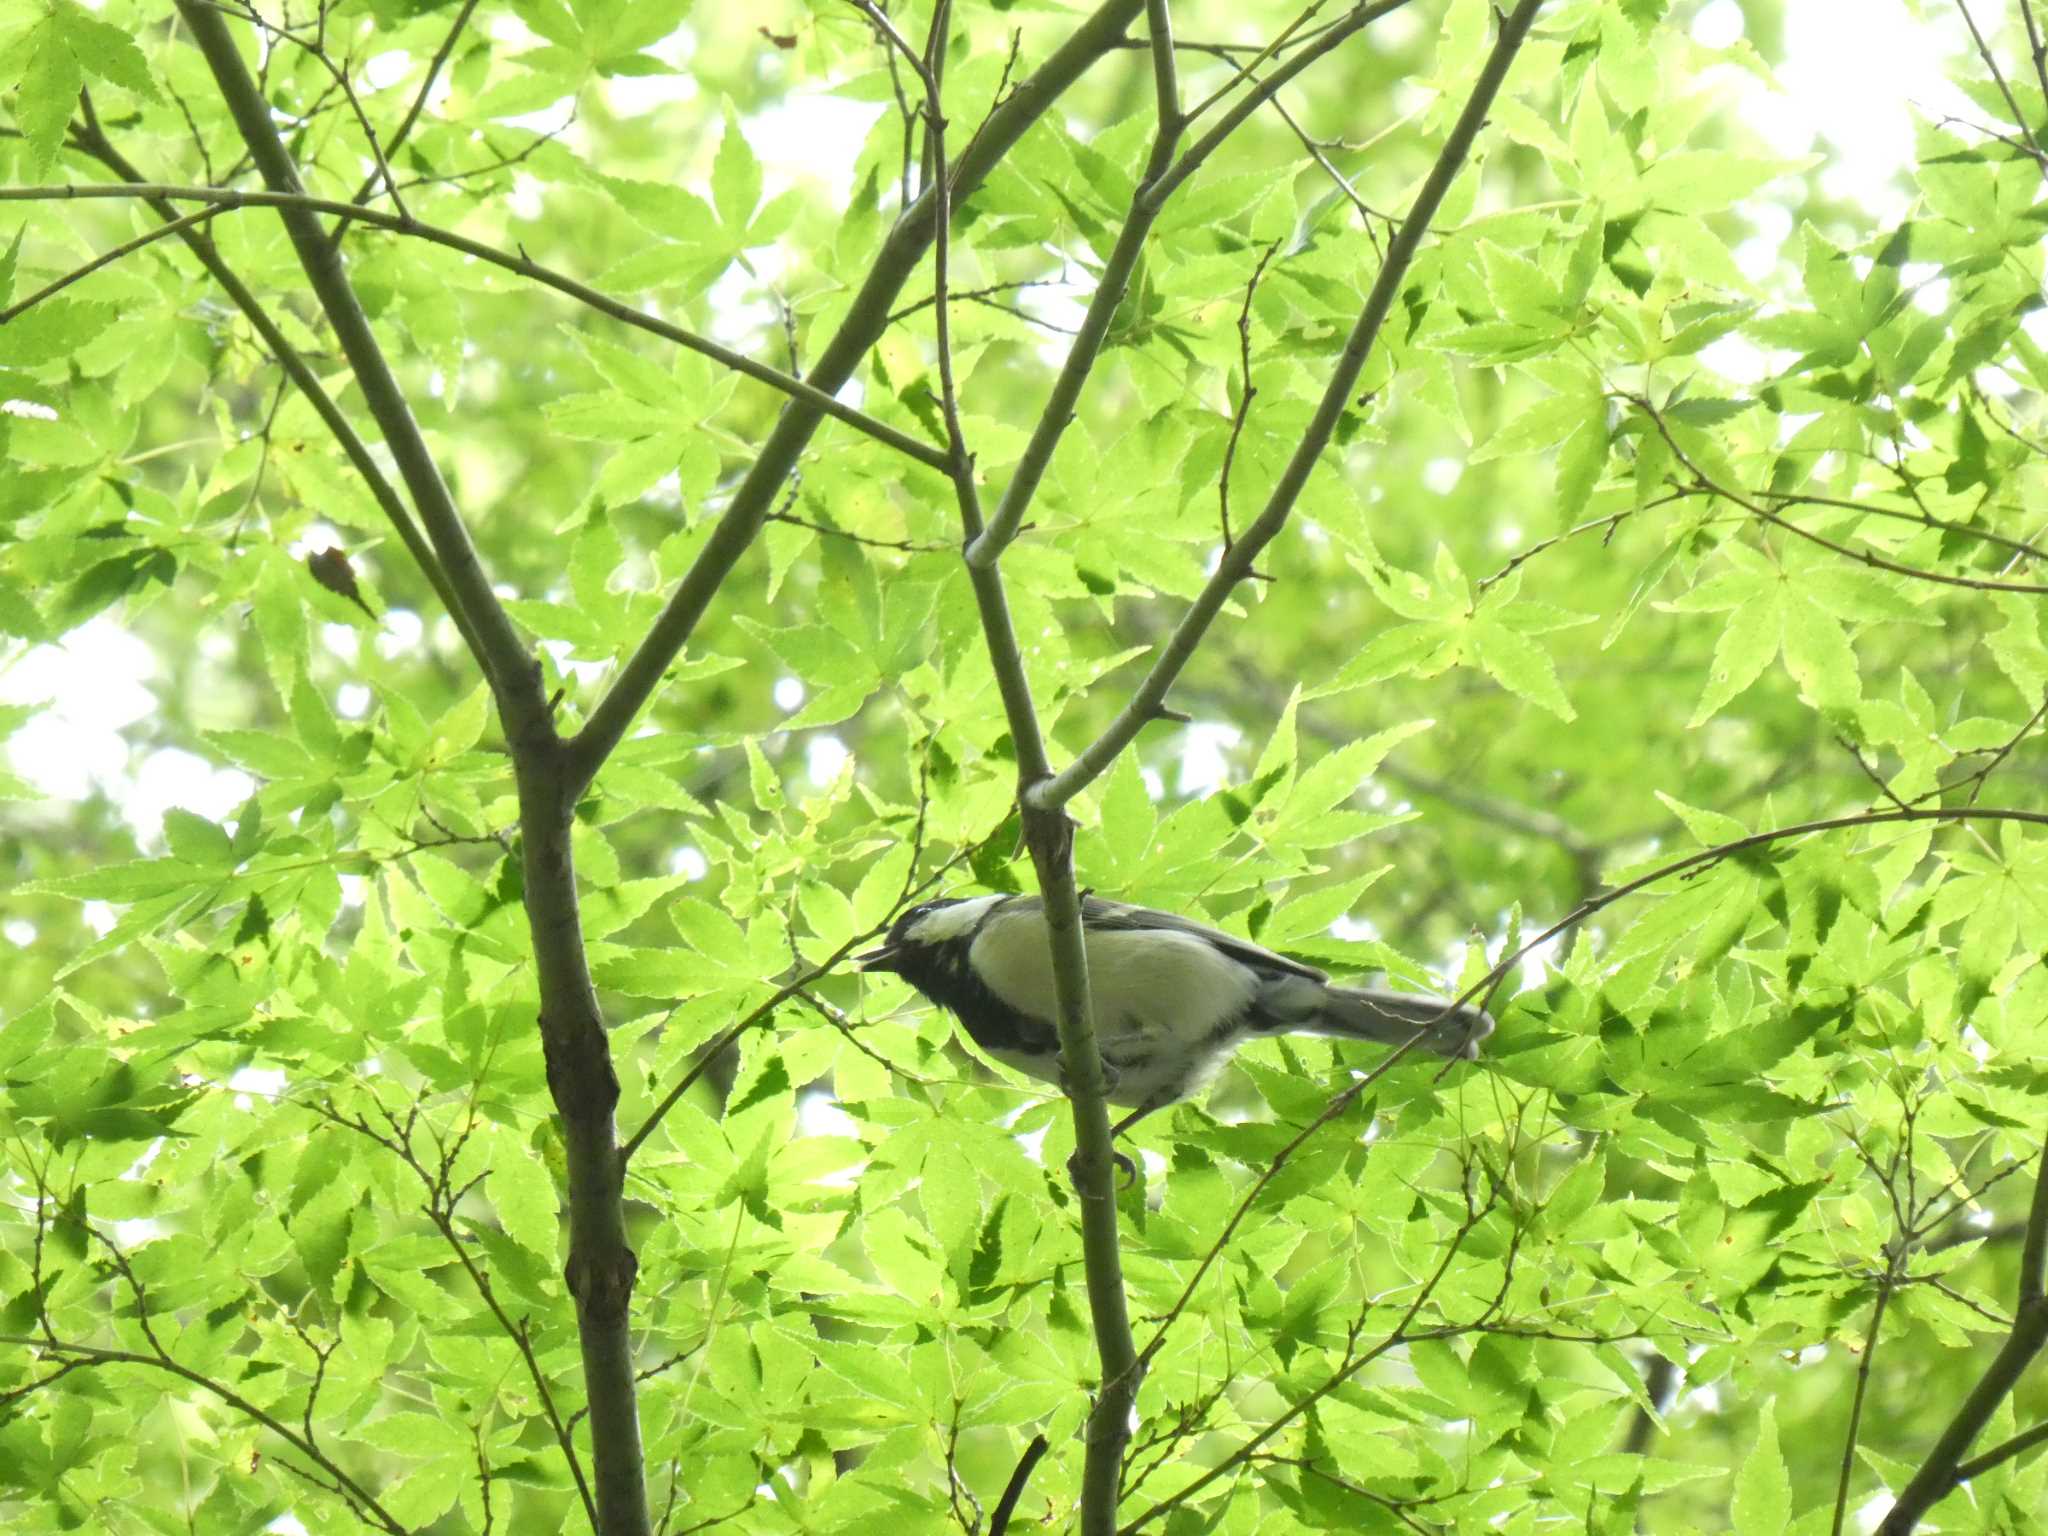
x=1710, y=828
x=1576, y=1194
x=1819, y=656
x=105, y=51
x=1127, y=814
x=735, y=178
x=523, y=1194
x=55, y=328
x=1763, y=1488
x=459, y=729
x=1330, y=781
x=1748, y=642
x=1708, y=180
x=43, y=104
x=1521, y=666
x=197, y=841
x=7, y=265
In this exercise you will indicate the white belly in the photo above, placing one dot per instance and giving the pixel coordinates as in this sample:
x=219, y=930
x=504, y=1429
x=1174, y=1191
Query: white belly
x=1161, y=1001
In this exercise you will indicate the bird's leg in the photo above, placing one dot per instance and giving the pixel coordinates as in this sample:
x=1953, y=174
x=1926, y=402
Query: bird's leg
x=1127, y=1169
x=1138, y=1114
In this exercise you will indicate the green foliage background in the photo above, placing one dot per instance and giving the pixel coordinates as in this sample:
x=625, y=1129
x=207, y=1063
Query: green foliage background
x=1750, y=1151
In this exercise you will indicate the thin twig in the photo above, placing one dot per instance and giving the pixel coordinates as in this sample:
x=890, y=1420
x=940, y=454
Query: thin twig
x=108, y=258
x=439, y=1207
x=1247, y=390
x=1885, y=1286
x=1998, y=75
x=986, y=545
x=1705, y=482
x=419, y=101
x=1237, y=563
x=231, y=199
x=782, y=994
x=999, y=1521
x=1330, y=38
x=349, y=1489
x=1366, y=213
x=1400, y=1334
x=907, y=546
x=1943, y=1469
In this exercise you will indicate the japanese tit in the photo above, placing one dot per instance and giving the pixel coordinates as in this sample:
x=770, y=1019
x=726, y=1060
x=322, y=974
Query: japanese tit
x=1172, y=998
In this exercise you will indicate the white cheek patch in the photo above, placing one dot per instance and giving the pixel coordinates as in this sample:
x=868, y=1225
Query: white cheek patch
x=1011, y=958
x=1154, y=982
x=954, y=921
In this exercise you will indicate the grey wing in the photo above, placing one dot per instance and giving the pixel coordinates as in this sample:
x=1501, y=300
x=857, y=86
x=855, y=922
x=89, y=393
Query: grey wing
x=1118, y=916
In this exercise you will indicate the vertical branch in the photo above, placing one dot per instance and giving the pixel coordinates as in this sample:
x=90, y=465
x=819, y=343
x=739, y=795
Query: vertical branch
x=2037, y=49
x=1246, y=393
x=1943, y=1471
x=1885, y=1286
x=1049, y=834
x=601, y=1266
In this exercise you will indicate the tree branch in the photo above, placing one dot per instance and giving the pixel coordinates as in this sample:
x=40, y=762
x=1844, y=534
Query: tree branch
x=2018, y=1445
x=1237, y=562
x=1944, y=1469
x=1705, y=482
x=346, y=1486
x=1332, y=37
x=502, y=655
x=1057, y=413
x=2012, y=105
x=228, y=199
x=107, y=258
x=1048, y=834
x=1887, y=1283
x=999, y=1521
x=94, y=142
x=866, y=318
x=601, y=1266
x=419, y=101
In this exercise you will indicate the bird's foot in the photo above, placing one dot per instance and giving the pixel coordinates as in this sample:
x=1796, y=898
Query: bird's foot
x=1127, y=1171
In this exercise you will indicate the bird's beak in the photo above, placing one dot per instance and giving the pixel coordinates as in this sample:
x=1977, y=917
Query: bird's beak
x=883, y=959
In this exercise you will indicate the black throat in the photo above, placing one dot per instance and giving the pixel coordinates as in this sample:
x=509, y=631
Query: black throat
x=941, y=973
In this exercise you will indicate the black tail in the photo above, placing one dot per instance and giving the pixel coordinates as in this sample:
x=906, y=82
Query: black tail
x=1367, y=1013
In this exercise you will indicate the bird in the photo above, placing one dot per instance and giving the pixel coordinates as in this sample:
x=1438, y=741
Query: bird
x=1172, y=998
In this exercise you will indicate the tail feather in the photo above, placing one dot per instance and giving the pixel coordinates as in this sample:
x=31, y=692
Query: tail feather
x=1368, y=1013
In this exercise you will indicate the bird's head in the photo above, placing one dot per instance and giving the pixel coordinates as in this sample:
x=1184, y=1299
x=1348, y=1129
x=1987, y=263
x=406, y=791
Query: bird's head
x=922, y=931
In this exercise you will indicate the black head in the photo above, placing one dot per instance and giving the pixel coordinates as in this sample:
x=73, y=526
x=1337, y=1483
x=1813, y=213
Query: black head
x=915, y=934
x=931, y=946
